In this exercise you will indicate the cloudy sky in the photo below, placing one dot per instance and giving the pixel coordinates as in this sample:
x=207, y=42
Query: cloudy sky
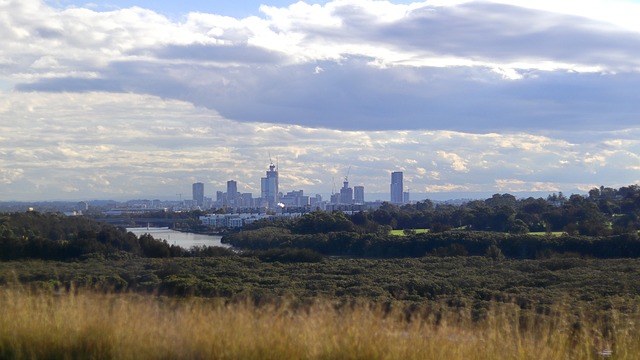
x=139, y=99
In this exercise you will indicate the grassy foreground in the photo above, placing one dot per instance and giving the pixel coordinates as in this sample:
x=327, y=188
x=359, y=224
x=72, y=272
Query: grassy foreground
x=124, y=326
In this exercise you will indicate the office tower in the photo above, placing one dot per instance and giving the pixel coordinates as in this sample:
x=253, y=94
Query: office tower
x=346, y=193
x=358, y=194
x=232, y=192
x=246, y=200
x=396, y=187
x=295, y=198
x=198, y=193
x=269, y=187
x=405, y=197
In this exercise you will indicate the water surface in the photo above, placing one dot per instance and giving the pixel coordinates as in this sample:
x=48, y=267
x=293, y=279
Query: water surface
x=183, y=239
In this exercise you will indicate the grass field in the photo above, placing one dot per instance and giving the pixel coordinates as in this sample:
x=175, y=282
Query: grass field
x=107, y=326
x=401, y=232
x=420, y=231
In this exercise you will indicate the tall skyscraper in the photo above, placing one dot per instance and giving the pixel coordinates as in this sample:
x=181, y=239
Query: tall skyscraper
x=396, y=188
x=232, y=193
x=358, y=195
x=346, y=193
x=269, y=187
x=198, y=193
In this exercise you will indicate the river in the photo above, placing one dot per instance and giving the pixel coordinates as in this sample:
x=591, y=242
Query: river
x=183, y=239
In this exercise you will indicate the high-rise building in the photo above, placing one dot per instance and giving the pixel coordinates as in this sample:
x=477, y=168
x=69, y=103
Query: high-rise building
x=269, y=187
x=358, y=195
x=346, y=193
x=315, y=200
x=246, y=200
x=396, y=188
x=198, y=193
x=232, y=193
x=295, y=198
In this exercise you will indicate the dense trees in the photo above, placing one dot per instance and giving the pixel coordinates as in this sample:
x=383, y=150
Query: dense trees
x=602, y=212
x=58, y=237
x=591, y=226
x=603, y=223
x=450, y=243
x=322, y=222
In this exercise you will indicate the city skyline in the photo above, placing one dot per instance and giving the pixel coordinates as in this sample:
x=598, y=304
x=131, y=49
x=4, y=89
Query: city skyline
x=126, y=99
x=272, y=197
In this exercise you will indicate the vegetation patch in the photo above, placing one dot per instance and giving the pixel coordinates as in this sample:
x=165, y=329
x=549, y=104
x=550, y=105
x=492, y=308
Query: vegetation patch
x=35, y=325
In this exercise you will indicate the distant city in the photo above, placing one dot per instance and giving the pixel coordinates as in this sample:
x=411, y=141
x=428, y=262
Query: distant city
x=232, y=205
x=271, y=198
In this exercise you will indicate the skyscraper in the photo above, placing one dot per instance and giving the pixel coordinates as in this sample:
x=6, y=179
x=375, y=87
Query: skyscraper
x=358, y=195
x=232, y=193
x=396, y=188
x=198, y=193
x=346, y=193
x=269, y=187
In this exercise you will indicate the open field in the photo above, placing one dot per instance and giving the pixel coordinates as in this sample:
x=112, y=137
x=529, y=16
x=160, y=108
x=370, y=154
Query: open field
x=401, y=232
x=126, y=326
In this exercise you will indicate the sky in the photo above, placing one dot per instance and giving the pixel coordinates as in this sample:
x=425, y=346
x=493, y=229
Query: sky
x=139, y=99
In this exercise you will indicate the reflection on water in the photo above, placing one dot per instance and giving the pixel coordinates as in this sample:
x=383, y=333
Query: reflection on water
x=183, y=239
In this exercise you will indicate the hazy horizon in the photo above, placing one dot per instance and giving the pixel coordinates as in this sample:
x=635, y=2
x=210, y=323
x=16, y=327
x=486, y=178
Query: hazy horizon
x=439, y=197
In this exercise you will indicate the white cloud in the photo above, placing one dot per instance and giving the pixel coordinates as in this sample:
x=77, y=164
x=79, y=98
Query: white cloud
x=618, y=13
x=449, y=188
x=8, y=176
x=517, y=185
x=508, y=74
x=111, y=145
x=456, y=161
x=378, y=69
x=129, y=101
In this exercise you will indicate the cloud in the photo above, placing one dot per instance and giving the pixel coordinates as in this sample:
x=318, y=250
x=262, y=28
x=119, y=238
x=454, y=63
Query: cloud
x=349, y=65
x=117, y=145
x=460, y=95
x=8, y=176
x=456, y=162
x=516, y=185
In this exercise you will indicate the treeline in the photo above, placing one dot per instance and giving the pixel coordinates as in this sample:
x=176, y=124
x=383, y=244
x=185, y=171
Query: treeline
x=57, y=237
x=451, y=243
x=604, y=211
x=603, y=224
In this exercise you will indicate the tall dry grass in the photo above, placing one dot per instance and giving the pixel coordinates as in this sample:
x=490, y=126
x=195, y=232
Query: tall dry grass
x=88, y=325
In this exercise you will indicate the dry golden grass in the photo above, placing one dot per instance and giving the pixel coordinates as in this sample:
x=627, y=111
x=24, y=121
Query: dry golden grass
x=98, y=326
